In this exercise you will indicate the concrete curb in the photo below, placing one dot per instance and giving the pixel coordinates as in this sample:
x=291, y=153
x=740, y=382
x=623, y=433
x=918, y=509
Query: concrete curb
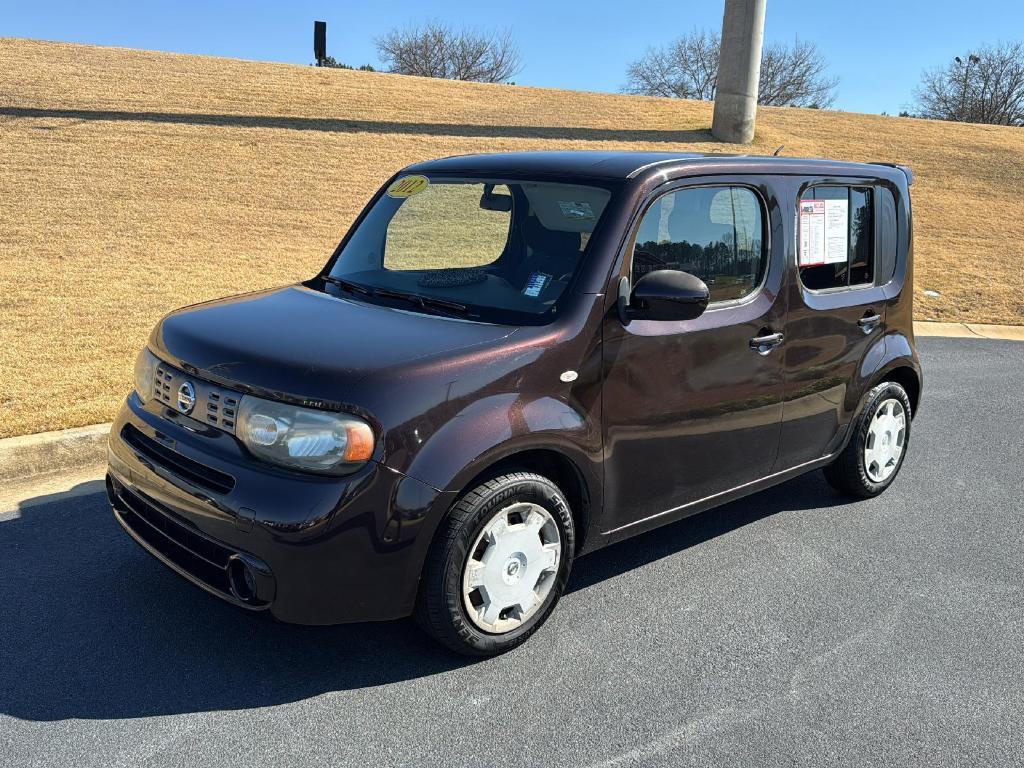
x=67, y=449
x=969, y=330
x=31, y=455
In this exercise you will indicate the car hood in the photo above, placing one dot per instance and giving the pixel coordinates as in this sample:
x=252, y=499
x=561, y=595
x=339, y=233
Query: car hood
x=302, y=344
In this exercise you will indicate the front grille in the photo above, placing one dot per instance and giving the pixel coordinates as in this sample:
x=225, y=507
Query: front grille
x=213, y=405
x=199, y=556
x=174, y=462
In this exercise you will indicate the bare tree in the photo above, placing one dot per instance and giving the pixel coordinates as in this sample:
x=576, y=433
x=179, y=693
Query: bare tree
x=794, y=76
x=986, y=86
x=436, y=50
x=687, y=68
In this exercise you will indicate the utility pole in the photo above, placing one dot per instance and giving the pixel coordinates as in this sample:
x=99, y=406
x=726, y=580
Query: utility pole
x=739, y=70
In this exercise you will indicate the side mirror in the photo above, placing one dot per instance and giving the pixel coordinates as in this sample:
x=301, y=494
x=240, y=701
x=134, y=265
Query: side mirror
x=665, y=294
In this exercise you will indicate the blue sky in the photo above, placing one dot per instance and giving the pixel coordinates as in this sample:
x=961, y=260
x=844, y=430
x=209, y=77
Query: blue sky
x=877, y=48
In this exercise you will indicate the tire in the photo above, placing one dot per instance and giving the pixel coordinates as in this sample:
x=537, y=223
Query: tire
x=474, y=546
x=867, y=466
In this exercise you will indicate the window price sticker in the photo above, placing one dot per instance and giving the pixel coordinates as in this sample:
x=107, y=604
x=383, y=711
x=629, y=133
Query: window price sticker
x=837, y=231
x=824, y=232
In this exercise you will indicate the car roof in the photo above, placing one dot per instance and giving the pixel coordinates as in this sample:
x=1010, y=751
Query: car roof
x=630, y=165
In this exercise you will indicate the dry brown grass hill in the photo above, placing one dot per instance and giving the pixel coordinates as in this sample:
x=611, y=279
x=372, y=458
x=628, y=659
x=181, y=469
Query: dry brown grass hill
x=133, y=182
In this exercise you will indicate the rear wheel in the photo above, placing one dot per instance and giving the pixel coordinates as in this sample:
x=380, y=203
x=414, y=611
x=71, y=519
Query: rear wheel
x=496, y=571
x=878, y=446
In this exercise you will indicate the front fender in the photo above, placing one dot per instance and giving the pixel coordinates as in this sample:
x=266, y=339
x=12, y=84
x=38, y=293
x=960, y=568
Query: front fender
x=496, y=427
x=484, y=433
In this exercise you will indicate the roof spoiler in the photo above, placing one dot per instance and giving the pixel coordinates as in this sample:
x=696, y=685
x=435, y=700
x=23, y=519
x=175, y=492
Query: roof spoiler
x=906, y=171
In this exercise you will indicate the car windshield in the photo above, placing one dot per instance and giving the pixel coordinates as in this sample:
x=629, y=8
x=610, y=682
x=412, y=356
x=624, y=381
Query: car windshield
x=492, y=250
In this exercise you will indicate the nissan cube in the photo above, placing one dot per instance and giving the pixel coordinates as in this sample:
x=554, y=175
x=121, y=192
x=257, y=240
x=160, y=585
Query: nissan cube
x=512, y=360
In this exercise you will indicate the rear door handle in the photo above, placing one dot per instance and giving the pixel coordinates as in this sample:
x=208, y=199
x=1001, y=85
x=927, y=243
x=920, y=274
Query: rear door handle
x=765, y=344
x=869, y=322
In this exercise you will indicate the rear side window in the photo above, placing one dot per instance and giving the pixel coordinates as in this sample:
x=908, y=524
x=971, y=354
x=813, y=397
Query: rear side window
x=837, y=237
x=886, y=228
x=715, y=233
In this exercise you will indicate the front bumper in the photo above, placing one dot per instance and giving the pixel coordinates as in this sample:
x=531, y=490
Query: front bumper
x=308, y=549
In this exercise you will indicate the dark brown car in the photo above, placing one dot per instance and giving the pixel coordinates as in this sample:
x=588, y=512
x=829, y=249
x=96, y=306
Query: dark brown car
x=512, y=360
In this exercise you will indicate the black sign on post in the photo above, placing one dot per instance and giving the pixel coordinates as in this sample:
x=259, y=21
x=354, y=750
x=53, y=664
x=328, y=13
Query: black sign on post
x=320, y=42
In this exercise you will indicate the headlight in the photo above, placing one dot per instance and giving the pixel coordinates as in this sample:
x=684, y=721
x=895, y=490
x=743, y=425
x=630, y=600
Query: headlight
x=303, y=438
x=145, y=368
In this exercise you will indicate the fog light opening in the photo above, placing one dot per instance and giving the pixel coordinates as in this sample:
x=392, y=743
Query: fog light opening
x=242, y=581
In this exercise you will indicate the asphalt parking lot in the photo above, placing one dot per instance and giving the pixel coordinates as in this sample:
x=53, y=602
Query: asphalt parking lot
x=792, y=627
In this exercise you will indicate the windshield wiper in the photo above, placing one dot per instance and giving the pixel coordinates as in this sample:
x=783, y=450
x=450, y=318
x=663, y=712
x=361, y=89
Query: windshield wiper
x=423, y=302
x=348, y=286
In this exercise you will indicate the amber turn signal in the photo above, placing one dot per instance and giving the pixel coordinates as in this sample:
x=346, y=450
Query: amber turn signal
x=360, y=441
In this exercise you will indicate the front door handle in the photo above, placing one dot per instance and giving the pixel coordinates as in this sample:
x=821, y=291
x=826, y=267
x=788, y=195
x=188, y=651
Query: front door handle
x=765, y=344
x=868, y=323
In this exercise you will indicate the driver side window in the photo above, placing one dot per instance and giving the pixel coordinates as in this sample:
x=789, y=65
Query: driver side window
x=715, y=233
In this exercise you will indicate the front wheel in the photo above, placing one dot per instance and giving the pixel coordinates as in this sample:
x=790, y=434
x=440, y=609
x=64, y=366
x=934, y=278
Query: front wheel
x=878, y=446
x=497, y=569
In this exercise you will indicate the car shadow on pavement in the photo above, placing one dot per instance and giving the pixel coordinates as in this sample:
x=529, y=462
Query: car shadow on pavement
x=92, y=627
x=808, y=491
